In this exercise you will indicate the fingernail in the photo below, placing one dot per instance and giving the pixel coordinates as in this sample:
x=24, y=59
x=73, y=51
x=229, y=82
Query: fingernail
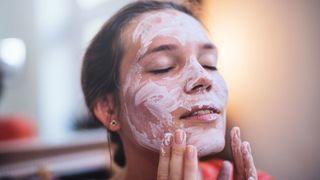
x=191, y=151
x=248, y=147
x=232, y=133
x=167, y=139
x=163, y=151
x=244, y=149
x=180, y=136
x=238, y=132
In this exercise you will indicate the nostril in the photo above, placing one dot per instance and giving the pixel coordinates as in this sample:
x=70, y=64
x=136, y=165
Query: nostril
x=200, y=86
x=209, y=88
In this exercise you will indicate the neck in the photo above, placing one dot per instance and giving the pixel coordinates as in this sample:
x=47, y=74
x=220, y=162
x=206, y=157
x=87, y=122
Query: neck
x=141, y=164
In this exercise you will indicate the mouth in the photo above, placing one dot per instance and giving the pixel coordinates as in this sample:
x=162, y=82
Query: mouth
x=202, y=114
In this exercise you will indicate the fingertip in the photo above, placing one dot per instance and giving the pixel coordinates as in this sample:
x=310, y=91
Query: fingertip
x=191, y=152
x=180, y=136
x=245, y=143
x=225, y=171
x=235, y=132
x=167, y=140
x=243, y=148
x=238, y=132
x=249, y=147
x=227, y=166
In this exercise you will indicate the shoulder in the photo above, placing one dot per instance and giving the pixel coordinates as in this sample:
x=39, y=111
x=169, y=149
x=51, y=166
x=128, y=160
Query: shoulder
x=210, y=170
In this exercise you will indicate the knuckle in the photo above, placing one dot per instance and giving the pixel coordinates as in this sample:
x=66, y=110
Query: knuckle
x=175, y=177
x=165, y=155
x=190, y=165
x=178, y=151
x=162, y=177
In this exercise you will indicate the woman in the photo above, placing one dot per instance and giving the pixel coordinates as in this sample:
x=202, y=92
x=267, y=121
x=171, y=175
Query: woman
x=150, y=75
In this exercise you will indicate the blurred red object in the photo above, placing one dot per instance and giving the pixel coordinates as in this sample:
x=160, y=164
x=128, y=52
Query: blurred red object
x=16, y=127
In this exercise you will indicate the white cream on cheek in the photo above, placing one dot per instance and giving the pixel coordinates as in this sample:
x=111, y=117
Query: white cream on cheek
x=159, y=101
x=158, y=97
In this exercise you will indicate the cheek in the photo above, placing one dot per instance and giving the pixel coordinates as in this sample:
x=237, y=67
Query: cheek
x=157, y=99
x=149, y=110
x=220, y=87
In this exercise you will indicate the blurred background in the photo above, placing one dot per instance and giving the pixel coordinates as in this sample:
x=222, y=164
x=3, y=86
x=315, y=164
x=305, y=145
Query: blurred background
x=268, y=54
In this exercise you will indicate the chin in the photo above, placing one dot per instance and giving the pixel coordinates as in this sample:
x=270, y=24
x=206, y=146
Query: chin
x=208, y=143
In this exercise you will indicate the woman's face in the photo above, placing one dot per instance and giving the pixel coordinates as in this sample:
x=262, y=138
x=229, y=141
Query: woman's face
x=169, y=82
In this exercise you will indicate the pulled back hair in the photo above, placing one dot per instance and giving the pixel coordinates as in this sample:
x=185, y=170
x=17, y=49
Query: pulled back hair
x=102, y=59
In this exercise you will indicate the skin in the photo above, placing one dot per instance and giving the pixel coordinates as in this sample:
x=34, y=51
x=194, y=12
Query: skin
x=161, y=98
x=167, y=71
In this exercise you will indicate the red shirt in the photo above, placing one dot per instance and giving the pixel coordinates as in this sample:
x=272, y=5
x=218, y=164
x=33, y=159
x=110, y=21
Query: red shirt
x=210, y=170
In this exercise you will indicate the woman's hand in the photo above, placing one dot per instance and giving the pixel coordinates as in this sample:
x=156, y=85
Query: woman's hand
x=243, y=160
x=180, y=161
x=177, y=160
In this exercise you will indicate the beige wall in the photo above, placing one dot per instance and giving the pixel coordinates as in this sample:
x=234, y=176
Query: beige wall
x=269, y=53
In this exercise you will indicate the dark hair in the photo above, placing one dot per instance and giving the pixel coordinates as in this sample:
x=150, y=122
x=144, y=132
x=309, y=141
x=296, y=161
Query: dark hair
x=101, y=62
x=102, y=59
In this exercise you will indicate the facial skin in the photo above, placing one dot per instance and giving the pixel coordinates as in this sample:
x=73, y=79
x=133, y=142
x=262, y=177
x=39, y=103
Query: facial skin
x=168, y=71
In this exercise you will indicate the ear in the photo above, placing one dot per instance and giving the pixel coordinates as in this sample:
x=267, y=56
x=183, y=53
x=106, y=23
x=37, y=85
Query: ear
x=105, y=111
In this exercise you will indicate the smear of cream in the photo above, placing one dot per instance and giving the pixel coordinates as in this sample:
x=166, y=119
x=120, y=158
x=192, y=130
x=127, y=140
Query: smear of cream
x=158, y=100
x=164, y=96
x=204, y=141
x=163, y=23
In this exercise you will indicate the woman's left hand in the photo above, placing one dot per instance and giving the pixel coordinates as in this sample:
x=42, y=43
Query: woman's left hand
x=244, y=168
x=243, y=160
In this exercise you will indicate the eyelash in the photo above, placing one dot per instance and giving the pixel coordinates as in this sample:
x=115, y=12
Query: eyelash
x=212, y=68
x=160, y=71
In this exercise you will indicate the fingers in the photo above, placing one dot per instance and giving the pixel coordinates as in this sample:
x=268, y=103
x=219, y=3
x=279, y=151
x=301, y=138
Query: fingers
x=237, y=154
x=177, y=160
x=191, y=163
x=177, y=155
x=164, y=160
x=244, y=164
x=250, y=169
x=225, y=171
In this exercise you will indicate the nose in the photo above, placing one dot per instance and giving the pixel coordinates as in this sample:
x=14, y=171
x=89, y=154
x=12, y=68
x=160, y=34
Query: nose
x=198, y=80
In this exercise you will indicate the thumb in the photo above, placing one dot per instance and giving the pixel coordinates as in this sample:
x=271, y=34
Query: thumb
x=225, y=171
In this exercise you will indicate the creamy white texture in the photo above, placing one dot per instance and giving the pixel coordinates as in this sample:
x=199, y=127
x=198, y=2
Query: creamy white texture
x=150, y=104
x=170, y=24
x=154, y=96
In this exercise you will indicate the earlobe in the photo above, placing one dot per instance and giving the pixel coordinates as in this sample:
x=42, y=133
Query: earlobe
x=114, y=125
x=104, y=111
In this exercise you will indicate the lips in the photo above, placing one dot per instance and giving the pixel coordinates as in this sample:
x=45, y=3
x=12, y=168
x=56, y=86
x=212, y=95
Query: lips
x=203, y=113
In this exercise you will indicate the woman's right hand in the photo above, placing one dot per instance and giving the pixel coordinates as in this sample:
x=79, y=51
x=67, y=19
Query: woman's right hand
x=177, y=160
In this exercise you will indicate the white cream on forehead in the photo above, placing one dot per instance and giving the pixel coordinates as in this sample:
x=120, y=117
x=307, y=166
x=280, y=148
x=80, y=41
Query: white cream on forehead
x=167, y=23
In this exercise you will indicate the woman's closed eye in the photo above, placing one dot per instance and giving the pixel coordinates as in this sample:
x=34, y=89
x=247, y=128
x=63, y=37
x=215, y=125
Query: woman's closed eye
x=161, y=71
x=211, y=68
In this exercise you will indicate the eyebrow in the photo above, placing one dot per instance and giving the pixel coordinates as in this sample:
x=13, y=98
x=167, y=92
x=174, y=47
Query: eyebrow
x=171, y=47
x=164, y=47
x=209, y=46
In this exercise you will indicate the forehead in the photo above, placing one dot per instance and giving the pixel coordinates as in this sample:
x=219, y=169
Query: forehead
x=170, y=23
